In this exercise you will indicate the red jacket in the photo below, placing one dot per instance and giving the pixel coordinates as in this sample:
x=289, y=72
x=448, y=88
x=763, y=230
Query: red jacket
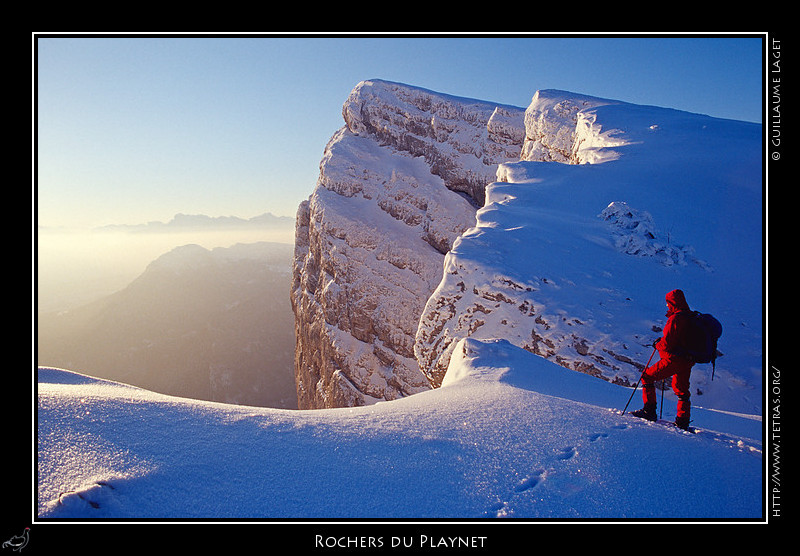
x=672, y=341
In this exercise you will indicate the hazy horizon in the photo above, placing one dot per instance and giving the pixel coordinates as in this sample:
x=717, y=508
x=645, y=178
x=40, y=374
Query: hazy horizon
x=80, y=265
x=213, y=324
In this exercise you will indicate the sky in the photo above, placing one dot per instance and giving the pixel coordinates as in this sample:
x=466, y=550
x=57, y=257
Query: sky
x=133, y=129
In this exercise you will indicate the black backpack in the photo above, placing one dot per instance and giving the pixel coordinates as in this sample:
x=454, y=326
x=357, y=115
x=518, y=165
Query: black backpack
x=702, y=333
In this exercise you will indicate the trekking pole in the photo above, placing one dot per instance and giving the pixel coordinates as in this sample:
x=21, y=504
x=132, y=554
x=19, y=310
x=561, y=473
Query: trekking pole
x=638, y=381
x=661, y=411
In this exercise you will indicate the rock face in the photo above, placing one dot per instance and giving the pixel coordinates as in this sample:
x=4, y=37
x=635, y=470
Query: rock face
x=398, y=184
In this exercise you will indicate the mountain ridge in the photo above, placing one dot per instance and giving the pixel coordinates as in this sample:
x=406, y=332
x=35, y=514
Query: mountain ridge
x=182, y=222
x=595, y=153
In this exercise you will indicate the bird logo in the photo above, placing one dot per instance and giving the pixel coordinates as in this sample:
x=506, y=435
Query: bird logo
x=18, y=542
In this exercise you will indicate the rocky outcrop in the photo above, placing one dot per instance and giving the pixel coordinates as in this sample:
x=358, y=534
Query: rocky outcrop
x=562, y=127
x=397, y=185
x=461, y=140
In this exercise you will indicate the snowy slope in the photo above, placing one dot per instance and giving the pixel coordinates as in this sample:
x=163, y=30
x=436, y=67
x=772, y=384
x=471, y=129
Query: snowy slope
x=508, y=435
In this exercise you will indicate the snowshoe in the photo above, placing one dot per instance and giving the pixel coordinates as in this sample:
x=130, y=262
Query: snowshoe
x=682, y=424
x=647, y=412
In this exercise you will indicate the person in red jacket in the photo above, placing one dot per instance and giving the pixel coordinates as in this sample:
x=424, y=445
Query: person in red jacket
x=671, y=363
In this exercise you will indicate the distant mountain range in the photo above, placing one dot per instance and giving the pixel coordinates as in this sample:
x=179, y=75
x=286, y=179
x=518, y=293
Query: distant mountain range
x=206, y=324
x=183, y=222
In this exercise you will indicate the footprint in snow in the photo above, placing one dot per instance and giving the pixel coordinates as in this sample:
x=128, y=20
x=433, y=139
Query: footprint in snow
x=94, y=496
x=566, y=453
x=503, y=509
x=500, y=509
x=530, y=481
x=597, y=436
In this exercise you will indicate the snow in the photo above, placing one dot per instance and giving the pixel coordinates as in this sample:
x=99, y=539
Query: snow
x=509, y=434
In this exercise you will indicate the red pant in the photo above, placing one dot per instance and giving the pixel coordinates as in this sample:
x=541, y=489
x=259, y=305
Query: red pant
x=676, y=367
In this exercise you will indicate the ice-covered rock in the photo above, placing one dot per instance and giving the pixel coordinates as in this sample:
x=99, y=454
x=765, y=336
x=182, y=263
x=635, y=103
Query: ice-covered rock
x=562, y=127
x=635, y=233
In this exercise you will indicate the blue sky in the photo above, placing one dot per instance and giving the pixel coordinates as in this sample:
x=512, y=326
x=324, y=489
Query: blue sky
x=132, y=130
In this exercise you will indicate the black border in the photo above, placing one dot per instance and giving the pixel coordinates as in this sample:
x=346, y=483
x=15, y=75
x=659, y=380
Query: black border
x=48, y=536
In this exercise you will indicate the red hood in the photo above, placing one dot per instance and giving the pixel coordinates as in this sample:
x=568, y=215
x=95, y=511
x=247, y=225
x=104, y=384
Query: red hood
x=676, y=301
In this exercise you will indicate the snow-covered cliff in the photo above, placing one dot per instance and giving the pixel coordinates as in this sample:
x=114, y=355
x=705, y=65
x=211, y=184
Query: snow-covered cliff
x=572, y=261
x=590, y=211
x=398, y=184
